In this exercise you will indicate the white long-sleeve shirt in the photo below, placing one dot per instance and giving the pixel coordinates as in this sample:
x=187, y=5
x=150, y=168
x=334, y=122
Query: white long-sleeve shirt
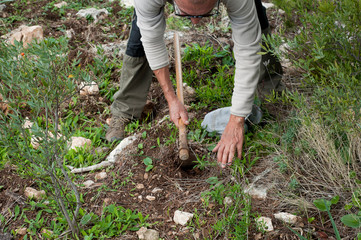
x=246, y=35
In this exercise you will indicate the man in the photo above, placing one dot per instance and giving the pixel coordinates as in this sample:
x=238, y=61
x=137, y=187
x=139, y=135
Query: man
x=146, y=52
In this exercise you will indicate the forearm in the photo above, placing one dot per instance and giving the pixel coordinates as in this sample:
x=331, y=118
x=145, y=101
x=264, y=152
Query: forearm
x=163, y=78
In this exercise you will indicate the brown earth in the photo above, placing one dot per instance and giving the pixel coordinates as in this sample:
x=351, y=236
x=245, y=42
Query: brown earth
x=180, y=188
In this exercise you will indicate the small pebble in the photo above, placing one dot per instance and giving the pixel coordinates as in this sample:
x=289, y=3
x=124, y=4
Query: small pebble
x=150, y=198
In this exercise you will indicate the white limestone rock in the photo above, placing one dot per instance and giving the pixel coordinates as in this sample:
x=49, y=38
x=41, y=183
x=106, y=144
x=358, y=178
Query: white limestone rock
x=2, y=7
x=100, y=176
x=21, y=231
x=150, y=198
x=27, y=123
x=228, y=201
x=87, y=89
x=61, y=4
x=265, y=223
x=26, y=34
x=287, y=217
x=257, y=192
x=128, y=3
x=147, y=234
x=182, y=218
x=92, y=12
x=33, y=193
x=88, y=183
x=157, y=190
x=80, y=142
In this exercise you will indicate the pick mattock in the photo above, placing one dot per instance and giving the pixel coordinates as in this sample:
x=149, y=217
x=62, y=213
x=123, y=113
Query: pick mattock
x=183, y=145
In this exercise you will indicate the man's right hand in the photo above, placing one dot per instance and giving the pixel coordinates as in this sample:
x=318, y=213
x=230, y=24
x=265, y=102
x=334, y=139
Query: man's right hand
x=177, y=111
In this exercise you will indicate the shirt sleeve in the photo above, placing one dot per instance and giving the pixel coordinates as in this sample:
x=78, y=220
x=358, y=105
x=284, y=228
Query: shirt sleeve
x=151, y=22
x=246, y=35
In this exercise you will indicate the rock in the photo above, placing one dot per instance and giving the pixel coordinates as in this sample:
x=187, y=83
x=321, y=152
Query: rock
x=80, y=142
x=141, y=232
x=268, y=5
x=27, y=123
x=147, y=234
x=47, y=232
x=89, y=89
x=139, y=186
x=107, y=201
x=6, y=236
x=265, y=224
x=2, y=7
x=61, y=4
x=196, y=236
x=257, y=192
x=228, y=201
x=21, y=231
x=4, y=106
x=114, y=155
x=35, y=142
x=88, y=183
x=150, y=198
x=33, y=193
x=127, y=3
x=284, y=48
x=101, y=150
x=151, y=234
x=69, y=33
x=27, y=34
x=287, y=217
x=111, y=48
x=182, y=218
x=100, y=176
x=92, y=12
x=157, y=190
x=189, y=93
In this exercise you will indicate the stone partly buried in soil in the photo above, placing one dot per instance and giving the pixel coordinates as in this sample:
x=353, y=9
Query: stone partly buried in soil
x=148, y=234
x=287, y=217
x=265, y=224
x=100, y=176
x=88, y=183
x=25, y=34
x=33, y=193
x=92, y=12
x=88, y=89
x=182, y=218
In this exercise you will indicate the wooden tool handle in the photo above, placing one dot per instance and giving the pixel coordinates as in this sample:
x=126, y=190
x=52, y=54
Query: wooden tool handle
x=183, y=145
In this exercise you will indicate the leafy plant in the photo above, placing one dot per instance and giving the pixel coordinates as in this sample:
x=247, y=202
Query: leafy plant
x=149, y=163
x=325, y=206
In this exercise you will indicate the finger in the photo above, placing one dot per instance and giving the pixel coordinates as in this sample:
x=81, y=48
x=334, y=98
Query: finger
x=239, y=149
x=225, y=157
x=217, y=147
x=231, y=155
x=220, y=154
x=184, y=117
x=175, y=120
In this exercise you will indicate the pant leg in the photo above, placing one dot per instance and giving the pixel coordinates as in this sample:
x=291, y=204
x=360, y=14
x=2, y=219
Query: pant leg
x=135, y=79
x=262, y=16
x=270, y=68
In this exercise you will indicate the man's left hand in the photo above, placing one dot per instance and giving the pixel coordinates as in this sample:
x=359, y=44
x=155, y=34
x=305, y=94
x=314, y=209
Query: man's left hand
x=231, y=141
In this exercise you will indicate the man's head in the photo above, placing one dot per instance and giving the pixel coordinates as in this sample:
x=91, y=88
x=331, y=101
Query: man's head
x=195, y=8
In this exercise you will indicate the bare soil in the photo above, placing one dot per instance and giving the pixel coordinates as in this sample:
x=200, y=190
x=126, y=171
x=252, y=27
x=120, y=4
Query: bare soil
x=178, y=187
